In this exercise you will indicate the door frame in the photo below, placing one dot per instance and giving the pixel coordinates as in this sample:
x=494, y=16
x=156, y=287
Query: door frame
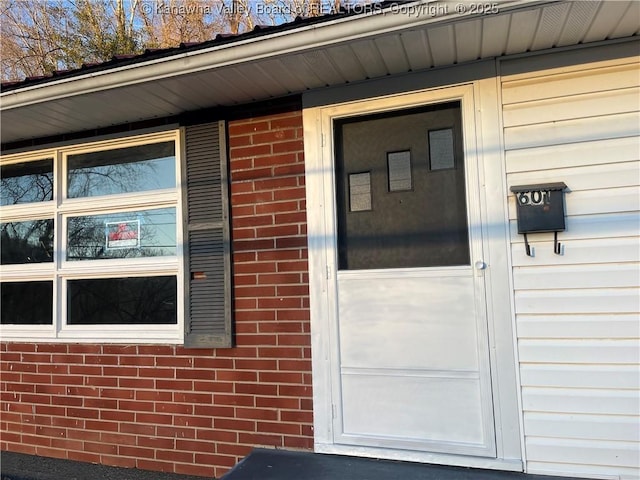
x=320, y=184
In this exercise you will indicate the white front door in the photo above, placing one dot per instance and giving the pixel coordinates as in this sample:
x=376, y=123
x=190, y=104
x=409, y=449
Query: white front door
x=406, y=298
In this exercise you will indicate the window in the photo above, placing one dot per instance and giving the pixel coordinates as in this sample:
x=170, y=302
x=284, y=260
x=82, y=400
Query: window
x=94, y=233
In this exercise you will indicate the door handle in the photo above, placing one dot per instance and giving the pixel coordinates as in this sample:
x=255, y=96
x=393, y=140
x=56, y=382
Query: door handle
x=480, y=265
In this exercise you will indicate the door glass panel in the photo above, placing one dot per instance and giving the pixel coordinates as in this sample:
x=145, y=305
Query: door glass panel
x=416, y=218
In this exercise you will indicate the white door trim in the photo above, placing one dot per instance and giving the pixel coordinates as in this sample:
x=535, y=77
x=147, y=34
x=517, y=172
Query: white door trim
x=322, y=262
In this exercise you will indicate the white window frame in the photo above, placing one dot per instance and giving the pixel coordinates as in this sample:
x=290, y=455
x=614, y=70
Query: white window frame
x=60, y=271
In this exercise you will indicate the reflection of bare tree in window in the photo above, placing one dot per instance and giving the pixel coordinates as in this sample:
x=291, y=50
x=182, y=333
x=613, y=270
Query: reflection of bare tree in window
x=123, y=170
x=27, y=182
x=87, y=238
x=26, y=242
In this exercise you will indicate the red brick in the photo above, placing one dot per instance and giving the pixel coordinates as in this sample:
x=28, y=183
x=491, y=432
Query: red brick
x=156, y=442
x=137, y=429
x=294, y=365
x=68, y=422
x=101, y=381
x=139, y=361
x=233, y=449
x=213, y=411
x=67, y=379
x=156, y=350
x=157, y=372
x=84, y=457
x=278, y=278
x=65, y=358
x=279, y=427
x=275, y=183
x=279, y=302
x=293, y=169
x=120, y=371
x=174, y=384
x=217, y=435
x=260, y=439
x=234, y=424
x=277, y=231
x=298, y=442
x=258, y=364
x=51, y=431
x=36, y=358
x=255, y=151
x=277, y=402
x=214, y=387
x=119, y=393
x=281, y=377
x=213, y=363
x=138, y=452
x=244, y=400
x=66, y=444
x=209, y=459
x=257, y=413
x=252, y=174
x=195, y=470
x=53, y=368
x=118, y=461
x=153, y=396
x=135, y=406
x=85, y=370
x=236, y=129
x=120, y=349
x=282, y=158
x=84, y=348
x=179, y=408
x=255, y=389
x=275, y=207
x=35, y=398
x=174, y=456
x=298, y=340
x=176, y=432
x=255, y=316
x=35, y=440
x=155, y=418
x=275, y=135
x=239, y=141
x=21, y=347
x=101, y=359
x=51, y=452
x=294, y=391
x=280, y=352
x=25, y=388
x=195, y=446
x=118, y=438
x=102, y=426
x=136, y=382
x=262, y=244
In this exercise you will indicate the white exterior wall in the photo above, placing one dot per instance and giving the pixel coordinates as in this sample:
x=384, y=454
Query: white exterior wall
x=577, y=321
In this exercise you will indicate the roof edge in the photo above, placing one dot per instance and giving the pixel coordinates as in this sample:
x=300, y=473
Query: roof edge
x=304, y=38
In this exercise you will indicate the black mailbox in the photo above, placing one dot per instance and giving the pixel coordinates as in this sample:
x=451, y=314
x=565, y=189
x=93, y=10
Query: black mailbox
x=540, y=208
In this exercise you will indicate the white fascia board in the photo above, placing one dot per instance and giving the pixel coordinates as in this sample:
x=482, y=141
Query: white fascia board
x=306, y=38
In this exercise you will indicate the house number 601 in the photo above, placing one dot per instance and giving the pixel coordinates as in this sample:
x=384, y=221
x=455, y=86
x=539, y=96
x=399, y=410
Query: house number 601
x=536, y=197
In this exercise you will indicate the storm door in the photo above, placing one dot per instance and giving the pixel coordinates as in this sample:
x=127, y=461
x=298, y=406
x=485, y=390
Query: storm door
x=413, y=360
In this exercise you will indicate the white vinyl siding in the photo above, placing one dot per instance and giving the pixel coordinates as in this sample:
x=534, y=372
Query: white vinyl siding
x=577, y=314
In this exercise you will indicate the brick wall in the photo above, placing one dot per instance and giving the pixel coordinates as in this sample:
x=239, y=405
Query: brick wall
x=191, y=411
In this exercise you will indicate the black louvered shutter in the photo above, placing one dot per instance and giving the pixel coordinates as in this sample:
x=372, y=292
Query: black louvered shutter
x=208, y=254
